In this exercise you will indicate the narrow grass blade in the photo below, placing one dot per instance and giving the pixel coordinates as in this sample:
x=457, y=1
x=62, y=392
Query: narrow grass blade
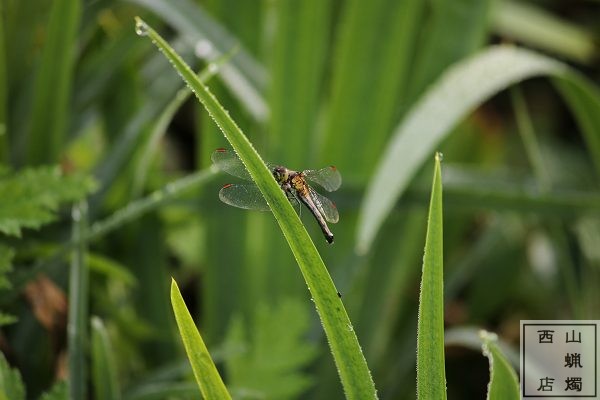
x=583, y=97
x=136, y=209
x=208, y=378
x=78, y=307
x=161, y=124
x=160, y=89
x=351, y=364
x=530, y=142
x=53, y=83
x=245, y=77
x=466, y=188
x=461, y=89
x=375, y=39
x=297, y=65
x=536, y=27
x=165, y=390
x=450, y=31
x=504, y=384
x=104, y=368
x=431, y=373
x=3, y=91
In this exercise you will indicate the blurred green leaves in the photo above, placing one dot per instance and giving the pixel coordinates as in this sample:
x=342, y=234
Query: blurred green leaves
x=461, y=89
x=104, y=367
x=31, y=197
x=49, y=115
x=11, y=385
x=57, y=392
x=244, y=76
x=535, y=26
x=266, y=355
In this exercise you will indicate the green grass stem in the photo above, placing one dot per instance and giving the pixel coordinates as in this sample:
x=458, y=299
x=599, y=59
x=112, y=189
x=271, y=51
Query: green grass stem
x=77, y=326
x=209, y=381
x=352, y=367
x=431, y=375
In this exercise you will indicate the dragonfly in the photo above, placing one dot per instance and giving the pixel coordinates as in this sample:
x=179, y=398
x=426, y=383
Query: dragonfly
x=293, y=183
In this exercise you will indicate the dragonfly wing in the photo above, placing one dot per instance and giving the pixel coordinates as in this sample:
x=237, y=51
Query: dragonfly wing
x=227, y=161
x=325, y=206
x=329, y=177
x=243, y=196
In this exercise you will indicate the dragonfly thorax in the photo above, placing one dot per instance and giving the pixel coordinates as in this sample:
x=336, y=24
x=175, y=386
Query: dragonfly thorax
x=290, y=180
x=299, y=184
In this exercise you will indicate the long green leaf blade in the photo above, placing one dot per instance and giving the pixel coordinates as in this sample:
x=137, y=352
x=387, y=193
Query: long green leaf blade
x=359, y=51
x=53, y=84
x=297, y=66
x=3, y=90
x=431, y=375
x=208, y=378
x=536, y=27
x=504, y=384
x=460, y=90
x=354, y=373
x=583, y=98
x=78, y=307
x=104, y=368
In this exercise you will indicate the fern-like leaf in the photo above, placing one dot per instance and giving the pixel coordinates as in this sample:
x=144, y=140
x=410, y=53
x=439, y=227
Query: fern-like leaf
x=11, y=385
x=56, y=392
x=30, y=198
x=265, y=357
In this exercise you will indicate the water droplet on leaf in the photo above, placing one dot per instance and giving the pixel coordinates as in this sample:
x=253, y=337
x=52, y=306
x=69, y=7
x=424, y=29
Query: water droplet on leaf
x=141, y=28
x=213, y=68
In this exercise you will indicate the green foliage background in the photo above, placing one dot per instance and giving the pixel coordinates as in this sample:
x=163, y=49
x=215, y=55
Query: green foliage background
x=91, y=111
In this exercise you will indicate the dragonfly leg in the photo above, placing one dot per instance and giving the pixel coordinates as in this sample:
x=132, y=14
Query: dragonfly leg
x=294, y=200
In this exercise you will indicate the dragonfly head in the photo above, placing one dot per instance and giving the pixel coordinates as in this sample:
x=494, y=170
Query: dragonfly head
x=281, y=174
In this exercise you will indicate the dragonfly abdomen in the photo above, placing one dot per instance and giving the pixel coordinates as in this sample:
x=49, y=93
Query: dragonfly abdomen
x=307, y=200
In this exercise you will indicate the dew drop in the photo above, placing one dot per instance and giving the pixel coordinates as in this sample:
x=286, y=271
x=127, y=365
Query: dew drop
x=141, y=28
x=350, y=328
x=213, y=68
x=439, y=156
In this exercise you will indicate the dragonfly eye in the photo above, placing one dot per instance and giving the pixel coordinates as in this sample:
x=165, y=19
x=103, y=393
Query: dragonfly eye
x=280, y=174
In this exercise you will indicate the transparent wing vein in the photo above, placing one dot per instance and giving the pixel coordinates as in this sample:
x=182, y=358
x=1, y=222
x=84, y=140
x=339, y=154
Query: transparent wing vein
x=248, y=197
x=329, y=178
x=325, y=206
x=227, y=161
